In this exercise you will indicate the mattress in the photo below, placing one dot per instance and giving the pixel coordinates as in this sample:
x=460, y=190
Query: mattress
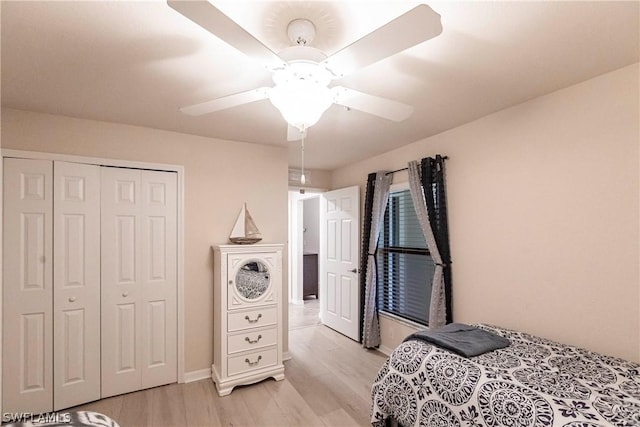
x=533, y=382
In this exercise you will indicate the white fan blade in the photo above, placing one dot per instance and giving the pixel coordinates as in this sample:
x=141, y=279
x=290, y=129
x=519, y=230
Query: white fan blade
x=381, y=107
x=217, y=23
x=417, y=25
x=227, y=102
x=294, y=134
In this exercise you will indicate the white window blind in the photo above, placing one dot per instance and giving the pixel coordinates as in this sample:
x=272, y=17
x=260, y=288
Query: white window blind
x=405, y=268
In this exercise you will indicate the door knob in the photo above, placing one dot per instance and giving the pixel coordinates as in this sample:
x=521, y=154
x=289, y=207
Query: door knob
x=355, y=270
x=125, y=294
x=72, y=299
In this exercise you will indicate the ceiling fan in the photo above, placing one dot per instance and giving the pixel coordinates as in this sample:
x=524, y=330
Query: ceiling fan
x=302, y=73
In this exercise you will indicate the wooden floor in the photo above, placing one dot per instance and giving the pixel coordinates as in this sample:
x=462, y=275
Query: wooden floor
x=327, y=383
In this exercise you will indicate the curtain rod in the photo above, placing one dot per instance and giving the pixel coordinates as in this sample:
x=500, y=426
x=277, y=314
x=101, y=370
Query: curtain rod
x=404, y=169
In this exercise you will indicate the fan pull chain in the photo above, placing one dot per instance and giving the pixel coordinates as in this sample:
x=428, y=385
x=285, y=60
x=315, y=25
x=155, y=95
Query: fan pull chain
x=303, y=179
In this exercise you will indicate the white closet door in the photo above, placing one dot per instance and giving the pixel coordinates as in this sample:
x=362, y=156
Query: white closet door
x=159, y=278
x=76, y=284
x=27, y=341
x=138, y=280
x=121, y=288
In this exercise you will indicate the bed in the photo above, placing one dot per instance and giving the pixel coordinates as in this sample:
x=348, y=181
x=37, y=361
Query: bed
x=532, y=382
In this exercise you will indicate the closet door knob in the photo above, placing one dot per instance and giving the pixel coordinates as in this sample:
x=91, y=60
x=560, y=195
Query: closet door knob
x=125, y=294
x=72, y=299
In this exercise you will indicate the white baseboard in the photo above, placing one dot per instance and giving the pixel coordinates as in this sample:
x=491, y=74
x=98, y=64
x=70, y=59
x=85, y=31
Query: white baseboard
x=201, y=374
x=286, y=356
x=385, y=350
x=297, y=301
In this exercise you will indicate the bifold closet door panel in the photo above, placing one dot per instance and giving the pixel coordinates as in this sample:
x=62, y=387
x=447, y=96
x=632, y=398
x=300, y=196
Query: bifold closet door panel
x=76, y=284
x=121, y=288
x=27, y=345
x=159, y=278
x=139, y=284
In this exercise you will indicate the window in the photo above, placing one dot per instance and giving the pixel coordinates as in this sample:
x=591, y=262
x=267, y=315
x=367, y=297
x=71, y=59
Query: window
x=405, y=268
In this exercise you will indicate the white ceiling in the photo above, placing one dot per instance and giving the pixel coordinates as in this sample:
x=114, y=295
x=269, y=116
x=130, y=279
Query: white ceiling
x=138, y=62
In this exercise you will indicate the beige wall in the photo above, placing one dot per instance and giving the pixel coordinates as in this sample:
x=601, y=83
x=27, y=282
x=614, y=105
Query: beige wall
x=219, y=177
x=543, y=210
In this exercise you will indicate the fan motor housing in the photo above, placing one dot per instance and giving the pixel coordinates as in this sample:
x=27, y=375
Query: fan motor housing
x=300, y=69
x=302, y=53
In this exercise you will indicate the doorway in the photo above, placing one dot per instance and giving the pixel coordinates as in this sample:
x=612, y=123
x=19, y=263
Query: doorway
x=304, y=249
x=324, y=256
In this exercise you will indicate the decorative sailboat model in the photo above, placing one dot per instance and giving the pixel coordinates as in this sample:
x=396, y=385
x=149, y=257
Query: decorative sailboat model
x=245, y=231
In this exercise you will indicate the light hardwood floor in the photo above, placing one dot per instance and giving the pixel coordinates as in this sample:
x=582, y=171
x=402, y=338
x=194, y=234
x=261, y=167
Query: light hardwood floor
x=327, y=383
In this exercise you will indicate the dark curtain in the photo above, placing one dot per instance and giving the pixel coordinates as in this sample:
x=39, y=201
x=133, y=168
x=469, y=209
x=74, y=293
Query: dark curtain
x=366, y=231
x=433, y=183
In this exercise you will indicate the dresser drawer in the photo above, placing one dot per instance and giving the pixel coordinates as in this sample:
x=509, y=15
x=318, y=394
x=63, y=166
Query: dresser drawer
x=252, y=361
x=251, y=319
x=251, y=340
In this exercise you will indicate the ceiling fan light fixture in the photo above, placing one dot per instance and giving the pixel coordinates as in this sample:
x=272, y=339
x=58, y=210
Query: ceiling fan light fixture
x=301, y=93
x=301, y=103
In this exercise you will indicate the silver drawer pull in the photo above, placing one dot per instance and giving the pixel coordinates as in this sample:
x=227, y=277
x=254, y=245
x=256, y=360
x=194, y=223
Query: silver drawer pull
x=254, y=320
x=250, y=341
x=250, y=363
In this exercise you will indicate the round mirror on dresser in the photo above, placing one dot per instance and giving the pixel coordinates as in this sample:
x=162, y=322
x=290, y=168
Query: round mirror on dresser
x=252, y=279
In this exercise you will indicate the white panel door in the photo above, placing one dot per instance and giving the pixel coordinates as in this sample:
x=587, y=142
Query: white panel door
x=121, y=284
x=339, y=260
x=27, y=285
x=76, y=284
x=139, y=282
x=158, y=278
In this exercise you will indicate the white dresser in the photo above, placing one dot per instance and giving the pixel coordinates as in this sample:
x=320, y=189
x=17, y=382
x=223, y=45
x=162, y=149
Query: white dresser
x=247, y=315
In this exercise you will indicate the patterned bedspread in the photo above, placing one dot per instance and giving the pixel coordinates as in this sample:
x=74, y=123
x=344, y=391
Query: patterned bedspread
x=533, y=382
x=61, y=419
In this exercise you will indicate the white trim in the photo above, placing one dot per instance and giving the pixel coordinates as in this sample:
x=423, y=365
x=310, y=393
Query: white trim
x=406, y=322
x=294, y=253
x=308, y=191
x=401, y=186
x=286, y=356
x=385, y=350
x=180, y=296
x=91, y=160
x=179, y=169
x=198, y=375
